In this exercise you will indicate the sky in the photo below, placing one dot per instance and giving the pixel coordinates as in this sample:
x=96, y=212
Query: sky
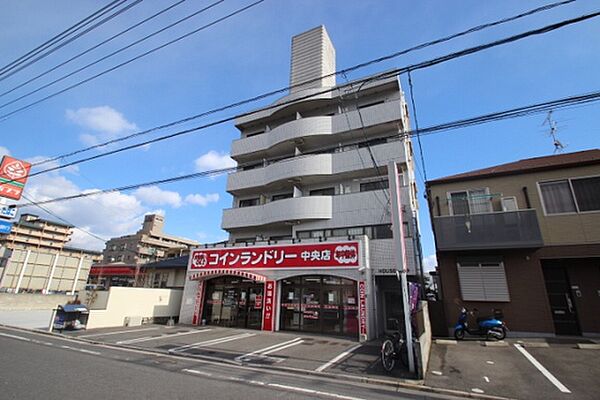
x=249, y=54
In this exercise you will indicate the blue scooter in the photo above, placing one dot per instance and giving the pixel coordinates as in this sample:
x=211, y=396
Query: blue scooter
x=491, y=327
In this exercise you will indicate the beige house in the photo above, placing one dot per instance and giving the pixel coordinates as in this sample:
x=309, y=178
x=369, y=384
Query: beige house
x=149, y=244
x=523, y=237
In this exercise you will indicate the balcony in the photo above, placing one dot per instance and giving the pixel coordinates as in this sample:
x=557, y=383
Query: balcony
x=497, y=230
x=317, y=126
x=281, y=211
x=316, y=165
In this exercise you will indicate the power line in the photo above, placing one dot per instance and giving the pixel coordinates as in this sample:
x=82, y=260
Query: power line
x=492, y=117
x=414, y=107
x=93, y=48
x=230, y=15
x=391, y=73
x=24, y=63
x=62, y=78
x=282, y=90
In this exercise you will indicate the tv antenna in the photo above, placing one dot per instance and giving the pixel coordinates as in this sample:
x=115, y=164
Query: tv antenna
x=558, y=146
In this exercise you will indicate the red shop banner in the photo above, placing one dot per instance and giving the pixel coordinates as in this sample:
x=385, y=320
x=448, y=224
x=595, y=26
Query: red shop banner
x=291, y=256
x=269, y=308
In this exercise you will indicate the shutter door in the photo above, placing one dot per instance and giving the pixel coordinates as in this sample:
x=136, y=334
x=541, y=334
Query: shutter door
x=471, y=283
x=494, y=281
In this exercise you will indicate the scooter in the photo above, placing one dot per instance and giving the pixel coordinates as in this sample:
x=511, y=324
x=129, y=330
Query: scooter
x=491, y=327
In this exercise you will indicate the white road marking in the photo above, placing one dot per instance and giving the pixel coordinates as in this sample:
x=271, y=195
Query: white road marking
x=193, y=371
x=337, y=358
x=118, y=332
x=542, y=369
x=81, y=350
x=147, y=338
x=283, y=347
x=486, y=379
x=438, y=373
x=477, y=390
x=490, y=362
x=211, y=342
x=271, y=348
x=15, y=337
x=311, y=391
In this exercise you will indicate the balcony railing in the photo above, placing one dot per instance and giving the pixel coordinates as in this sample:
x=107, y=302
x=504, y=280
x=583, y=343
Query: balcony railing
x=497, y=230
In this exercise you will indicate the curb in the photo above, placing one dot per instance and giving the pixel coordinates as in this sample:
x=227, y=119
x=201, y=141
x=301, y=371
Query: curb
x=416, y=385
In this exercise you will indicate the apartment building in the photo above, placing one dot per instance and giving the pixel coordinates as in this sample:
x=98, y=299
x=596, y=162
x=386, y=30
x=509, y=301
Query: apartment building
x=33, y=232
x=148, y=244
x=310, y=242
x=523, y=237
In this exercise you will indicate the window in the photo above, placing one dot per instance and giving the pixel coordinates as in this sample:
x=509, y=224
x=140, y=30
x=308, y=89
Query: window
x=249, y=202
x=374, y=185
x=255, y=133
x=571, y=195
x=374, y=103
x=372, y=142
x=160, y=280
x=382, y=232
x=281, y=196
x=472, y=201
x=322, y=192
x=482, y=280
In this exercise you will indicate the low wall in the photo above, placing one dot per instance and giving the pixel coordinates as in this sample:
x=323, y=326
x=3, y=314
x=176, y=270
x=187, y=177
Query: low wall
x=424, y=344
x=135, y=304
x=32, y=301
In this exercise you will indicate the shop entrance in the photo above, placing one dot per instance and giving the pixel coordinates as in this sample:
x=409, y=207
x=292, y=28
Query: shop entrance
x=319, y=304
x=233, y=301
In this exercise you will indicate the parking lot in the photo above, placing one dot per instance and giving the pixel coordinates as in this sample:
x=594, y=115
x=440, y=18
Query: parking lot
x=280, y=349
x=534, y=368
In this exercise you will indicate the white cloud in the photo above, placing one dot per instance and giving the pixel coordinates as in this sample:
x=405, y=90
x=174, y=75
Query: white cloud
x=214, y=160
x=202, y=200
x=429, y=262
x=153, y=195
x=4, y=151
x=106, y=123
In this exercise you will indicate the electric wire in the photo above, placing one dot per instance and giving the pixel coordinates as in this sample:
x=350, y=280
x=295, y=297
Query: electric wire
x=414, y=108
x=392, y=73
x=463, y=123
x=139, y=56
x=282, y=90
x=13, y=70
x=164, y=10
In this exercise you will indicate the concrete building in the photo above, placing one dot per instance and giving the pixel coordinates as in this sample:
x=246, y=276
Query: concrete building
x=33, y=232
x=149, y=244
x=523, y=237
x=311, y=189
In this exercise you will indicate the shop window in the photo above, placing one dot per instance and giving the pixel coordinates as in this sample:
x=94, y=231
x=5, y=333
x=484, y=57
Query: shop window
x=323, y=192
x=482, y=280
x=571, y=195
x=374, y=185
x=249, y=202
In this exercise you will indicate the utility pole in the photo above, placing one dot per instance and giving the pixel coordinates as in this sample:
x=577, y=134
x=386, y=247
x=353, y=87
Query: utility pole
x=401, y=260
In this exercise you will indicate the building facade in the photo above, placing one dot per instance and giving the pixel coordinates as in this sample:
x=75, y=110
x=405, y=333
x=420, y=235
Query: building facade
x=33, y=232
x=149, y=244
x=312, y=187
x=523, y=237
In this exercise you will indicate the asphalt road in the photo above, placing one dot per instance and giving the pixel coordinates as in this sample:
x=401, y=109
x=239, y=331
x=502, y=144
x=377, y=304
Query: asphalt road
x=38, y=366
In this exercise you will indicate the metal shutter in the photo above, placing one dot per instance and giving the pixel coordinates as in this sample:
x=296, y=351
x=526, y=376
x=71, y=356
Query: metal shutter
x=494, y=282
x=483, y=282
x=471, y=283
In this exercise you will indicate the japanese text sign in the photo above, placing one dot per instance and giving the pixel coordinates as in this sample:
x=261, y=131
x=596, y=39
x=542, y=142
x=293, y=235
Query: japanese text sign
x=362, y=307
x=269, y=309
x=291, y=256
x=13, y=175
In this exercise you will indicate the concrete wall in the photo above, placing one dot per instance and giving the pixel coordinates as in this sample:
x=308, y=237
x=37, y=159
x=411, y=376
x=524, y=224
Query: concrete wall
x=31, y=301
x=122, y=302
x=424, y=326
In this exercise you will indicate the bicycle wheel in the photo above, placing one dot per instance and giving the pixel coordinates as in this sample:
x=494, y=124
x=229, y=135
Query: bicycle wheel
x=388, y=356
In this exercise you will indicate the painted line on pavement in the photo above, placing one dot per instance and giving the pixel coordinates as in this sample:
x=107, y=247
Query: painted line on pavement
x=166, y=335
x=211, y=342
x=338, y=358
x=80, y=350
x=270, y=349
x=193, y=371
x=15, y=337
x=118, y=332
x=542, y=369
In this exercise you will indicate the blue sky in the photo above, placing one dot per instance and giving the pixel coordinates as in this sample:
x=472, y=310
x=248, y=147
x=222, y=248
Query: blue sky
x=248, y=55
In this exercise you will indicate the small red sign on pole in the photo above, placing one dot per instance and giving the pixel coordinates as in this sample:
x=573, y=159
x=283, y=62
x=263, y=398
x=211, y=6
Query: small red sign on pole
x=13, y=176
x=258, y=302
x=269, y=307
x=362, y=307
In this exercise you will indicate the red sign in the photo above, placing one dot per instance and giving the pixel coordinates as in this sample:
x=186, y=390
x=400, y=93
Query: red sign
x=362, y=308
x=269, y=308
x=13, y=176
x=290, y=256
x=198, y=305
x=258, y=302
x=113, y=271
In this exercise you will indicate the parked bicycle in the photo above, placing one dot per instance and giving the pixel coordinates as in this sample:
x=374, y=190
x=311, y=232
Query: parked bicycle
x=393, y=349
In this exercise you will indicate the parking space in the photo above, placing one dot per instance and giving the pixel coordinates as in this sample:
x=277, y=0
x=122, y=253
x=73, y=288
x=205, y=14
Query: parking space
x=548, y=369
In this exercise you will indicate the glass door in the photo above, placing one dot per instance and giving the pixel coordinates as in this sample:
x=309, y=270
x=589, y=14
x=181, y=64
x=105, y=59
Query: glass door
x=254, y=308
x=331, y=315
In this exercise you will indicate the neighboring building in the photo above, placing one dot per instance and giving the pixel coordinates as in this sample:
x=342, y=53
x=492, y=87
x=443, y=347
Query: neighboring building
x=33, y=232
x=149, y=244
x=523, y=237
x=311, y=189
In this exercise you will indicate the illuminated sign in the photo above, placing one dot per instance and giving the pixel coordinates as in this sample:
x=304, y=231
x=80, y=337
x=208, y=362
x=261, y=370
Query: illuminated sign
x=13, y=176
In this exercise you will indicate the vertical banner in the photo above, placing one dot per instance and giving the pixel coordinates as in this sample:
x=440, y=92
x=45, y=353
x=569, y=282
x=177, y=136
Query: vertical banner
x=269, y=306
x=362, y=309
x=196, y=318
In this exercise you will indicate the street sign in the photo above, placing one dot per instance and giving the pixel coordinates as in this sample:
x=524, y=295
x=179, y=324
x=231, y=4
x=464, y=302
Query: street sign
x=8, y=212
x=5, y=226
x=13, y=176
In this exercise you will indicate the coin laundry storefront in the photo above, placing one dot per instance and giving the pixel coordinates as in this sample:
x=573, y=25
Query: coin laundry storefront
x=312, y=287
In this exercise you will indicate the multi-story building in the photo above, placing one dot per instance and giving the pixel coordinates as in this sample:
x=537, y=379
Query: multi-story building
x=149, y=244
x=312, y=185
x=33, y=232
x=523, y=237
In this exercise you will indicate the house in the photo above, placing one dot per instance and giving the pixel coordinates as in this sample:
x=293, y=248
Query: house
x=523, y=237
